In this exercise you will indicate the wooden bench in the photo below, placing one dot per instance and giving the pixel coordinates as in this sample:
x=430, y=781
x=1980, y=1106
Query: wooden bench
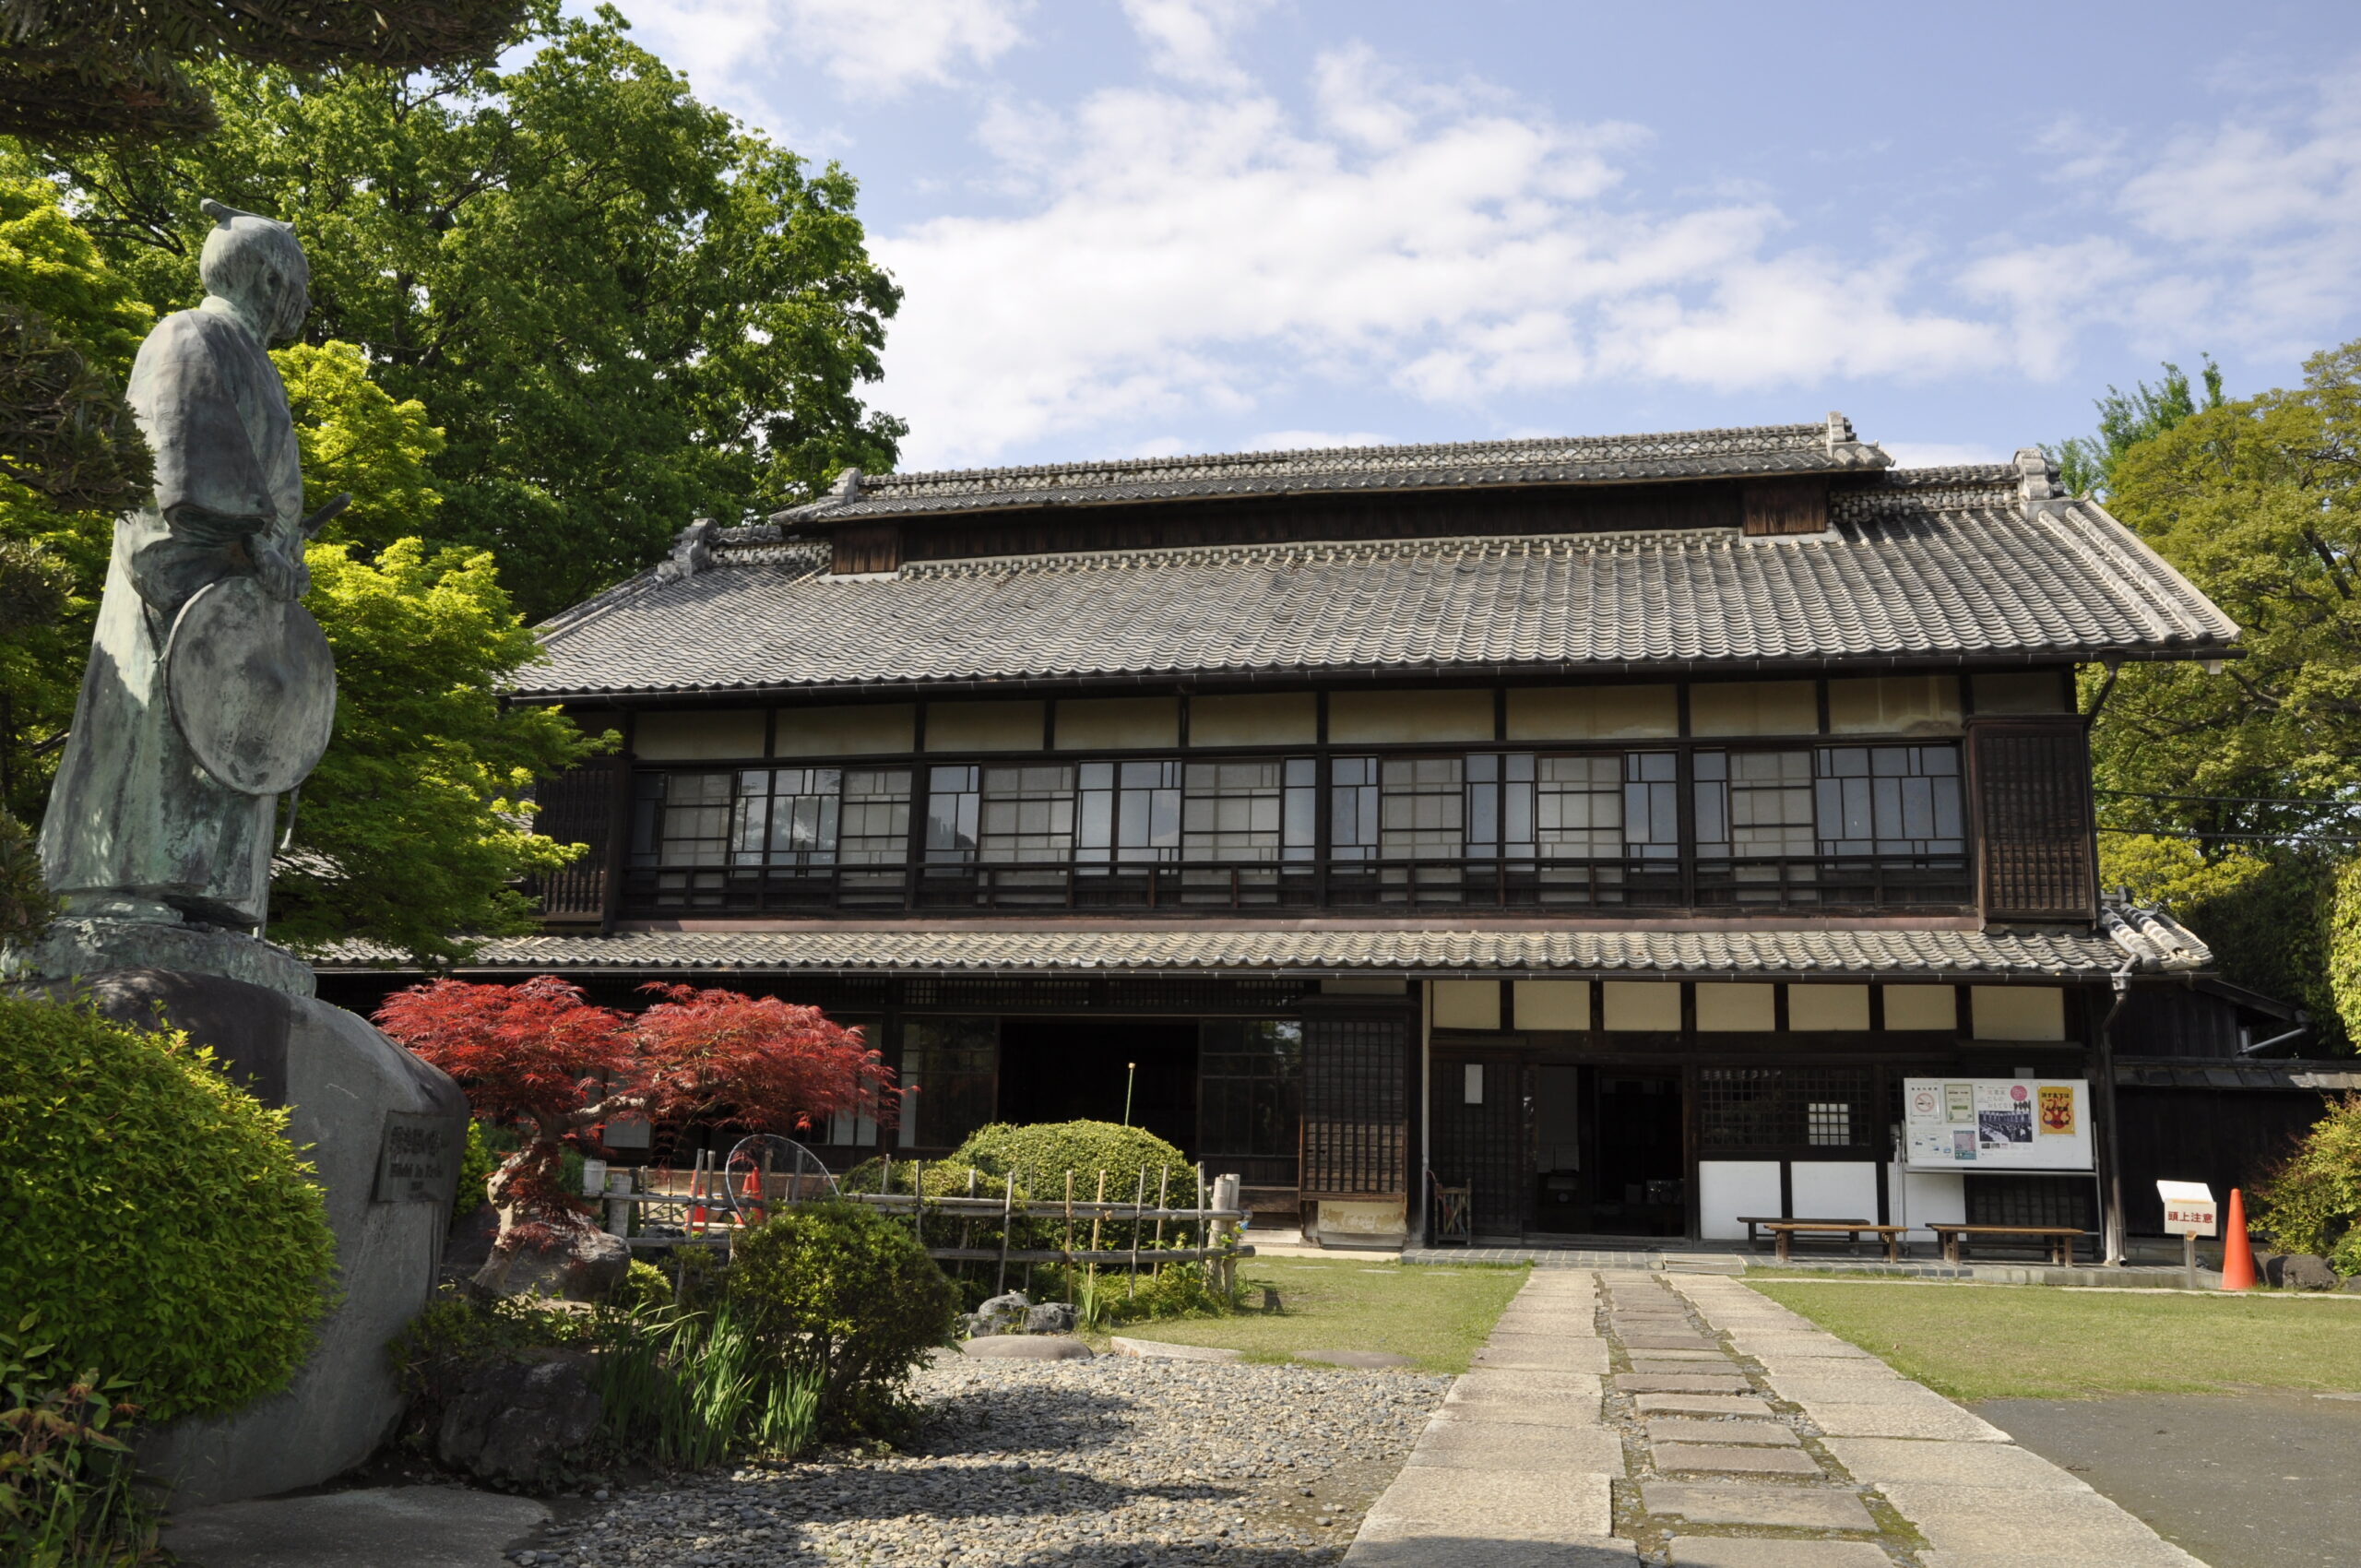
x=2059, y=1238
x=1784, y=1231
x=1751, y=1221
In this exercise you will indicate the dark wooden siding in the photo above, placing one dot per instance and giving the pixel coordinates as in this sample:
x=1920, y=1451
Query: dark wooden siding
x=1280, y=519
x=1482, y=1147
x=1786, y=506
x=2032, y=782
x=2222, y=1138
x=578, y=807
x=867, y=547
x=2160, y=1021
x=1356, y=1106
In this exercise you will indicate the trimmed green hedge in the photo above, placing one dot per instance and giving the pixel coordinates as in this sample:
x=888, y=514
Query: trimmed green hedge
x=152, y=1214
x=1040, y=1155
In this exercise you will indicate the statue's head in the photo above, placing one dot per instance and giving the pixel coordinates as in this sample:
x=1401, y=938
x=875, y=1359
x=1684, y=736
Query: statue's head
x=257, y=265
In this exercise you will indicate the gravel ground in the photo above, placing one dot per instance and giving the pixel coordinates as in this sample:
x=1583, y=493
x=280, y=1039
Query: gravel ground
x=1106, y=1462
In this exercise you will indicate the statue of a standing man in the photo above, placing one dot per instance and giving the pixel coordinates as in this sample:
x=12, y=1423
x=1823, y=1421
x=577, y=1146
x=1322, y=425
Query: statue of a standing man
x=209, y=690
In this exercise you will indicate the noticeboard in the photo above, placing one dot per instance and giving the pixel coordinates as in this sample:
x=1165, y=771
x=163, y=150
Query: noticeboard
x=1995, y=1124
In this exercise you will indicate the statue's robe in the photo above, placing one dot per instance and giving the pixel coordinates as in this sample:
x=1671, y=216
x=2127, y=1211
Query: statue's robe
x=134, y=820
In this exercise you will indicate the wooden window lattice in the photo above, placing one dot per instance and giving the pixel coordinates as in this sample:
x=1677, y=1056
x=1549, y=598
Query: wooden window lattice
x=2034, y=792
x=1356, y=1106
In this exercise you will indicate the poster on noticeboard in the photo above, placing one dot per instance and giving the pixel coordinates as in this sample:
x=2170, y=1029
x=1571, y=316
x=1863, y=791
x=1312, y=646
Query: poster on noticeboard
x=1995, y=1124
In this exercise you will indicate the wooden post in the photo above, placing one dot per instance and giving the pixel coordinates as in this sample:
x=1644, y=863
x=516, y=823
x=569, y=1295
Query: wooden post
x=1226, y=1194
x=1163, y=1185
x=1007, y=1203
x=1068, y=1247
x=1139, y=1201
x=967, y=1224
x=1095, y=1214
x=918, y=1212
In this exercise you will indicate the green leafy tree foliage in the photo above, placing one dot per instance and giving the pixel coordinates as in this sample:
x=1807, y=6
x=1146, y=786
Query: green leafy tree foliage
x=2311, y=1202
x=624, y=309
x=414, y=824
x=2086, y=463
x=2254, y=500
x=158, y=1220
x=91, y=69
x=1040, y=1154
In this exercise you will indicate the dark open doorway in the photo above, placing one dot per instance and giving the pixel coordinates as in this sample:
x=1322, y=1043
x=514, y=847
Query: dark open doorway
x=1640, y=1185
x=1072, y=1069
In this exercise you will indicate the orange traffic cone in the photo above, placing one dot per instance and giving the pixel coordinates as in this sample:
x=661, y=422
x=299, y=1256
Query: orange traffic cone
x=752, y=1189
x=2238, y=1258
x=697, y=1190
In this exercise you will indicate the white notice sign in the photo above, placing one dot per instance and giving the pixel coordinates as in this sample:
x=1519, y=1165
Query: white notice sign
x=2190, y=1209
x=1995, y=1124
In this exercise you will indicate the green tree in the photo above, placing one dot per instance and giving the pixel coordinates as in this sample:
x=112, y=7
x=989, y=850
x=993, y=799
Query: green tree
x=2086, y=463
x=2254, y=769
x=625, y=310
x=94, y=69
x=414, y=826
x=415, y=822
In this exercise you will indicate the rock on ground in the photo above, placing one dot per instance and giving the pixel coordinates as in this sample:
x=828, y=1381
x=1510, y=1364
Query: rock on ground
x=1109, y=1461
x=512, y=1421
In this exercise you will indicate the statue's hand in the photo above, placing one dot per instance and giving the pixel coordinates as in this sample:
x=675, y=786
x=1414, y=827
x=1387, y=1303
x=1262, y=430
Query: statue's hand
x=283, y=575
x=212, y=529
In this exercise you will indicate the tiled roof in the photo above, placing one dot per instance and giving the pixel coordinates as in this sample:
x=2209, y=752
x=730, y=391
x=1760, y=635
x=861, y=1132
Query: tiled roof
x=1952, y=566
x=1825, y=448
x=2321, y=1078
x=1899, y=954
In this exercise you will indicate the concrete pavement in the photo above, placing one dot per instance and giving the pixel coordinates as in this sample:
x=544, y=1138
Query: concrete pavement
x=1621, y=1416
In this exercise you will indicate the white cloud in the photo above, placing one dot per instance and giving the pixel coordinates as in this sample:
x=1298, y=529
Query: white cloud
x=1188, y=40
x=879, y=47
x=1314, y=440
x=1178, y=253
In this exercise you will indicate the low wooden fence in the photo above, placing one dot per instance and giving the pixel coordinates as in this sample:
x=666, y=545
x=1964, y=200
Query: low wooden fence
x=711, y=1207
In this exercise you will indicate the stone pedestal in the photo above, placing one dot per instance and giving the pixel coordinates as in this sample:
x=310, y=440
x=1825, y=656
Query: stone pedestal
x=370, y=1116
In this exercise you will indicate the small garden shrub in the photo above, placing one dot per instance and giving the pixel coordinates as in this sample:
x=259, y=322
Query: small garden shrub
x=644, y=1289
x=477, y=1162
x=68, y=1495
x=1041, y=1154
x=2311, y=1201
x=153, y=1216
x=845, y=1299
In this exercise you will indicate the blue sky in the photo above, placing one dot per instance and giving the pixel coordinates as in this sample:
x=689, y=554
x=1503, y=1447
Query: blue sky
x=1142, y=227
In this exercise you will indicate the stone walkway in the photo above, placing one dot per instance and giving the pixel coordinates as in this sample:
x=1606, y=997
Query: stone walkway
x=1625, y=1417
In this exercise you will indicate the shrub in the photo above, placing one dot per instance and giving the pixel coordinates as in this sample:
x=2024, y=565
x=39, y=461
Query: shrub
x=944, y=1178
x=643, y=1288
x=477, y=1162
x=845, y=1301
x=68, y=1493
x=155, y=1218
x=1041, y=1154
x=2311, y=1202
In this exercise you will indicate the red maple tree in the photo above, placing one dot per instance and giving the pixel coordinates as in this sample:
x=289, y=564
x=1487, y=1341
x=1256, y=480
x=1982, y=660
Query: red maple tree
x=539, y=1057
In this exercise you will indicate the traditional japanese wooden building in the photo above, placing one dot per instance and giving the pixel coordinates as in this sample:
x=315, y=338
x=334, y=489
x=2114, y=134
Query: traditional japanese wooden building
x=1610, y=826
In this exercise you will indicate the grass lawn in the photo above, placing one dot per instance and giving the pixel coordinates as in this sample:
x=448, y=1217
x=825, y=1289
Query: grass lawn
x=1437, y=1316
x=1991, y=1342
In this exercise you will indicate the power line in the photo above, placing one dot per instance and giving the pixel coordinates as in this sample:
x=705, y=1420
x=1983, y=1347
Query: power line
x=2232, y=800
x=2259, y=837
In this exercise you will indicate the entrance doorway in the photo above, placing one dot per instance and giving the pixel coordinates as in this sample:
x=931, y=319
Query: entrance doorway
x=1638, y=1185
x=1072, y=1069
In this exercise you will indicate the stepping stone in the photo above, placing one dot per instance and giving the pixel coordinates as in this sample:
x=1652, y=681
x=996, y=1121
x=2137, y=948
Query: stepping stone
x=1581, y=1357
x=1685, y=1382
x=1676, y=1429
x=1713, y=1367
x=1735, y=1461
x=1656, y=1353
x=1945, y=1420
x=1738, y=1502
x=395, y=1526
x=1499, y=1505
x=1367, y=1360
x=1742, y=1551
x=1158, y=1351
x=1477, y=1444
x=1702, y=1404
x=1027, y=1347
x=1883, y=1459
x=1669, y=1342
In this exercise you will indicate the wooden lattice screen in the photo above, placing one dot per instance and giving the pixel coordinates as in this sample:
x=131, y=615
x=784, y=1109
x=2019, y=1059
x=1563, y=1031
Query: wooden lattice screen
x=2032, y=794
x=1482, y=1146
x=1356, y=1107
x=578, y=807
